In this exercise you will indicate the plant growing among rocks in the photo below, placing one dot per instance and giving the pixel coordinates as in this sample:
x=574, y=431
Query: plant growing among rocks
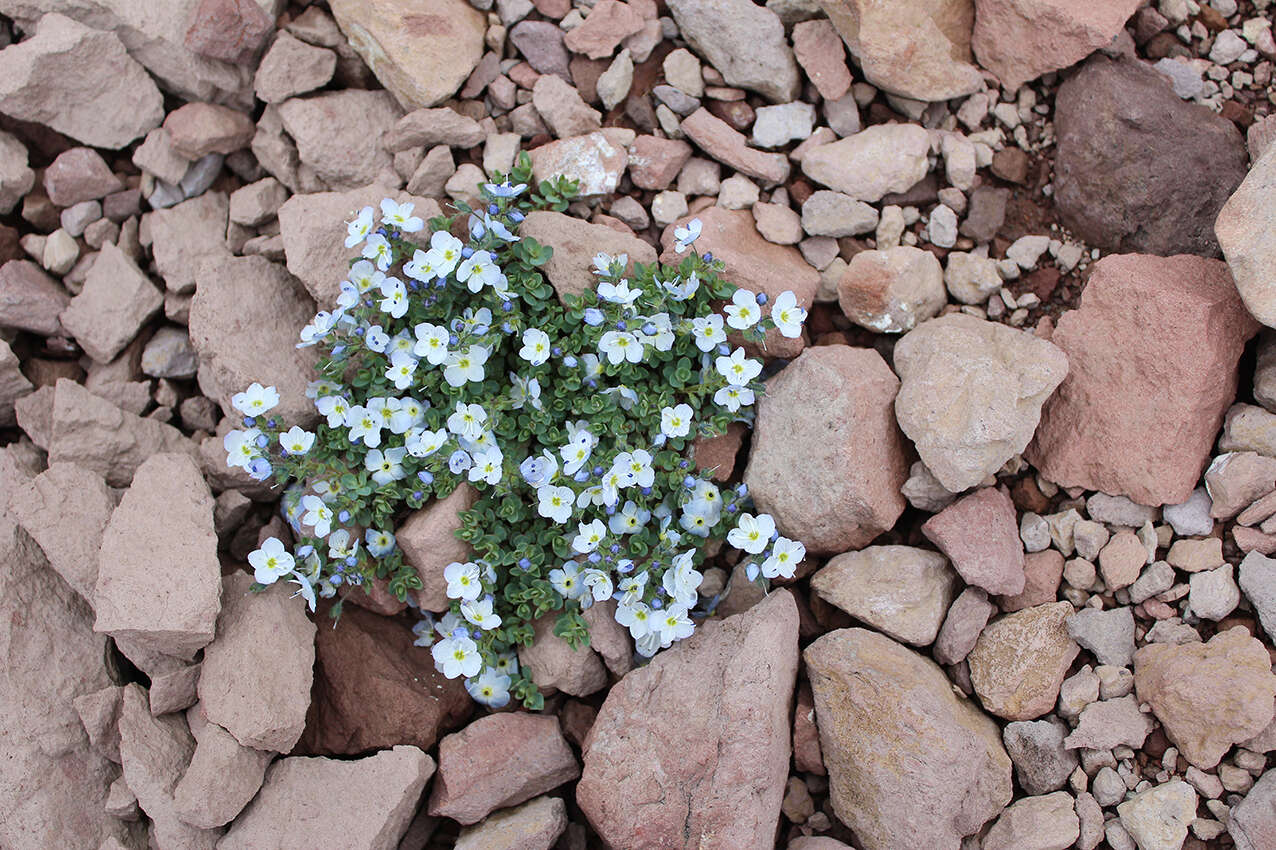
x=458, y=365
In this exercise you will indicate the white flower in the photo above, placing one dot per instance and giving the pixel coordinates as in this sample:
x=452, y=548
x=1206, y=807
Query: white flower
x=633, y=587
x=422, y=443
x=256, y=400
x=478, y=271
x=676, y=421
x=378, y=250
x=539, y=471
x=376, y=339
x=394, y=297
x=241, y=447
x=424, y=631
x=752, y=534
x=271, y=562
x=589, y=535
x=384, y=409
x=380, y=543
x=555, y=503
x=636, y=616
x=738, y=369
x=576, y=453
x=733, y=397
x=524, y=391
x=638, y=463
x=401, y=370
x=603, y=261
x=629, y=520
x=305, y=589
x=697, y=521
x=431, y=343
x=419, y=268
x=706, y=499
x=567, y=580
x=786, y=554
x=685, y=236
x=340, y=546
x=536, y=346
x=787, y=315
x=708, y=331
x=682, y=290
x=467, y=421
x=400, y=217
x=359, y=228
x=743, y=311
x=664, y=337
x=364, y=275
x=620, y=346
x=364, y=425
x=317, y=515
x=410, y=414
x=491, y=688
x=618, y=293
x=318, y=328
x=385, y=466
x=444, y=253
x=674, y=624
x=597, y=585
x=334, y=407
x=457, y=656
x=463, y=580
x=487, y=466
x=682, y=580
x=462, y=368
x=479, y=612
x=296, y=440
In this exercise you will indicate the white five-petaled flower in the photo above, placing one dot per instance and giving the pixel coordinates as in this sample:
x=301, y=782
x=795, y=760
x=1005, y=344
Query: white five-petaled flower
x=457, y=656
x=676, y=421
x=241, y=447
x=365, y=425
x=630, y=519
x=479, y=612
x=620, y=346
x=636, y=616
x=380, y=543
x=358, y=228
x=419, y=268
x=708, y=331
x=256, y=400
x=365, y=276
x=271, y=562
x=536, y=346
x=738, y=369
x=567, y=580
x=431, y=343
x=422, y=443
x=385, y=466
x=787, y=315
x=589, y=535
x=296, y=440
x=467, y=421
x=786, y=554
x=680, y=289
x=555, y=503
x=376, y=339
x=462, y=367
x=378, y=250
x=576, y=453
x=732, y=397
x=618, y=293
x=401, y=370
x=491, y=688
x=684, y=237
x=674, y=624
x=597, y=584
x=752, y=534
x=317, y=515
x=394, y=298
x=478, y=270
x=444, y=253
x=400, y=217
x=334, y=407
x=463, y=580
x=488, y=466
x=743, y=311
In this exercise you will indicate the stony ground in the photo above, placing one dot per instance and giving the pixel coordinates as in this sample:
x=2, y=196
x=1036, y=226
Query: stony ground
x=1033, y=422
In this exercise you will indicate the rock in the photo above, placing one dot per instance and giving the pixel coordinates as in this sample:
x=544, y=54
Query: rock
x=899, y=590
x=80, y=82
x=852, y=449
x=76, y=175
x=430, y=127
x=562, y=108
x=174, y=691
x=1191, y=517
x=610, y=639
x=16, y=178
x=777, y=223
x=818, y=49
x=155, y=751
x=258, y=202
x=169, y=354
x=575, y=244
x=966, y=618
x=228, y=30
x=222, y=778
x=1020, y=661
x=1253, y=821
x=1008, y=37
x=979, y=535
x=1244, y=232
x=1157, y=578
x=13, y=384
x=1110, y=723
x=1036, y=823
x=429, y=544
x=1258, y=580
x=497, y=761
x=338, y=134
x=1235, y=479
x=1138, y=169
x=971, y=392
x=236, y=348
x=891, y=291
x=872, y=163
x=910, y=763
x=378, y=794
x=654, y=163
x=116, y=301
x=30, y=300
x=421, y=50
x=731, y=683
x=1214, y=593
x=257, y=672
x=197, y=129
x=555, y=665
x=535, y=825
x=609, y=23
x=743, y=41
x=985, y=213
x=1247, y=427
x=65, y=509
x=919, y=50
x=778, y=125
x=53, y=785
x=1158, y=817
x=1108, y=634
x=1210, y=695
x=1143, y=318
x=160, y=538
x=1042, y=764
x=541, y=44
x=292, y=67
x=374, y=689
x=597, y=160
x=719, y=140
x=188, y=235
x=828, y=213
x=90, y=431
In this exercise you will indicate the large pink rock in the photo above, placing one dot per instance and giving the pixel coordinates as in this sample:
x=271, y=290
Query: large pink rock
x=980, y=535
x=830, y=414
x=692, y=751
x=1152, y=356
x=555, y=666
x=1019, y=40
x=576, y=243
x=222, y=778
x=429, y=543
x=497, y=761
x=1020, y=661
x=752, y=263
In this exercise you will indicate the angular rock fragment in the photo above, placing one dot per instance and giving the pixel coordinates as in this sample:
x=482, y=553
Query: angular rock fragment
x=902, y=591
x=116, y=301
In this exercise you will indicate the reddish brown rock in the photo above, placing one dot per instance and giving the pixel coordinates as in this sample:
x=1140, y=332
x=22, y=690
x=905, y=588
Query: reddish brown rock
x=718, y=454
x=1020, y=661
x=609, y=23
x=292, y=67
x=807, y=757
x=819, y=51
x=1208, y=696
x=338, y=134
x=555, y=666
x=222, y=778
x=30, y=300
x=429, y=543
x=608, y=638
x=706, y=723
x=374, y=689
x=229, y=30
x=1042, y=573
x=116, y=301
x=196, y=129
x=980, y=536
x=575, y=244
x=830, y=412
x=654, y=162
x=716, y=138
x=79, y=174
x=1174, y=327
x=497, y=761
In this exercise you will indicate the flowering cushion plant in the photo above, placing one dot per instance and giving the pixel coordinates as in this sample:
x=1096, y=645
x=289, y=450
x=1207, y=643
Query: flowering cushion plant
x=456, y=365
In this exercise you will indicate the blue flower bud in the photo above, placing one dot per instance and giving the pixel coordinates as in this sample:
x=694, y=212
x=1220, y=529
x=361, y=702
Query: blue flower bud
x=591, y=383
x=742, y=490
x=581, y=475
x=657, y=603
x=351, y=561
x=426, y=476
x=620, y=325
x=344, y=516
x=611, y=509
x=762, y=298
x=440, y=283
x=683, y=464
x=336, y=579
x=524, y=563
x=417, y=495
x=688, y=482
x=270, y=423
x=338, y=350
x=516, y=216
x=775, y=535
x=467, y=252
x=507, y=327
x=249, y=421
x=594, y=557
x=507, y=306
x=460, y=632
x=569, y=362
x=615, y=547
x=724, y=349
x=659, y=440
x=556, y=351
x=358, y=331
x=649, y=329
x=598, y=470
x=453, y=339
x=608, y=559
x=708, y=256
x=731, y=508
x=262, y=442
x=593, y=317
x=646, y=491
